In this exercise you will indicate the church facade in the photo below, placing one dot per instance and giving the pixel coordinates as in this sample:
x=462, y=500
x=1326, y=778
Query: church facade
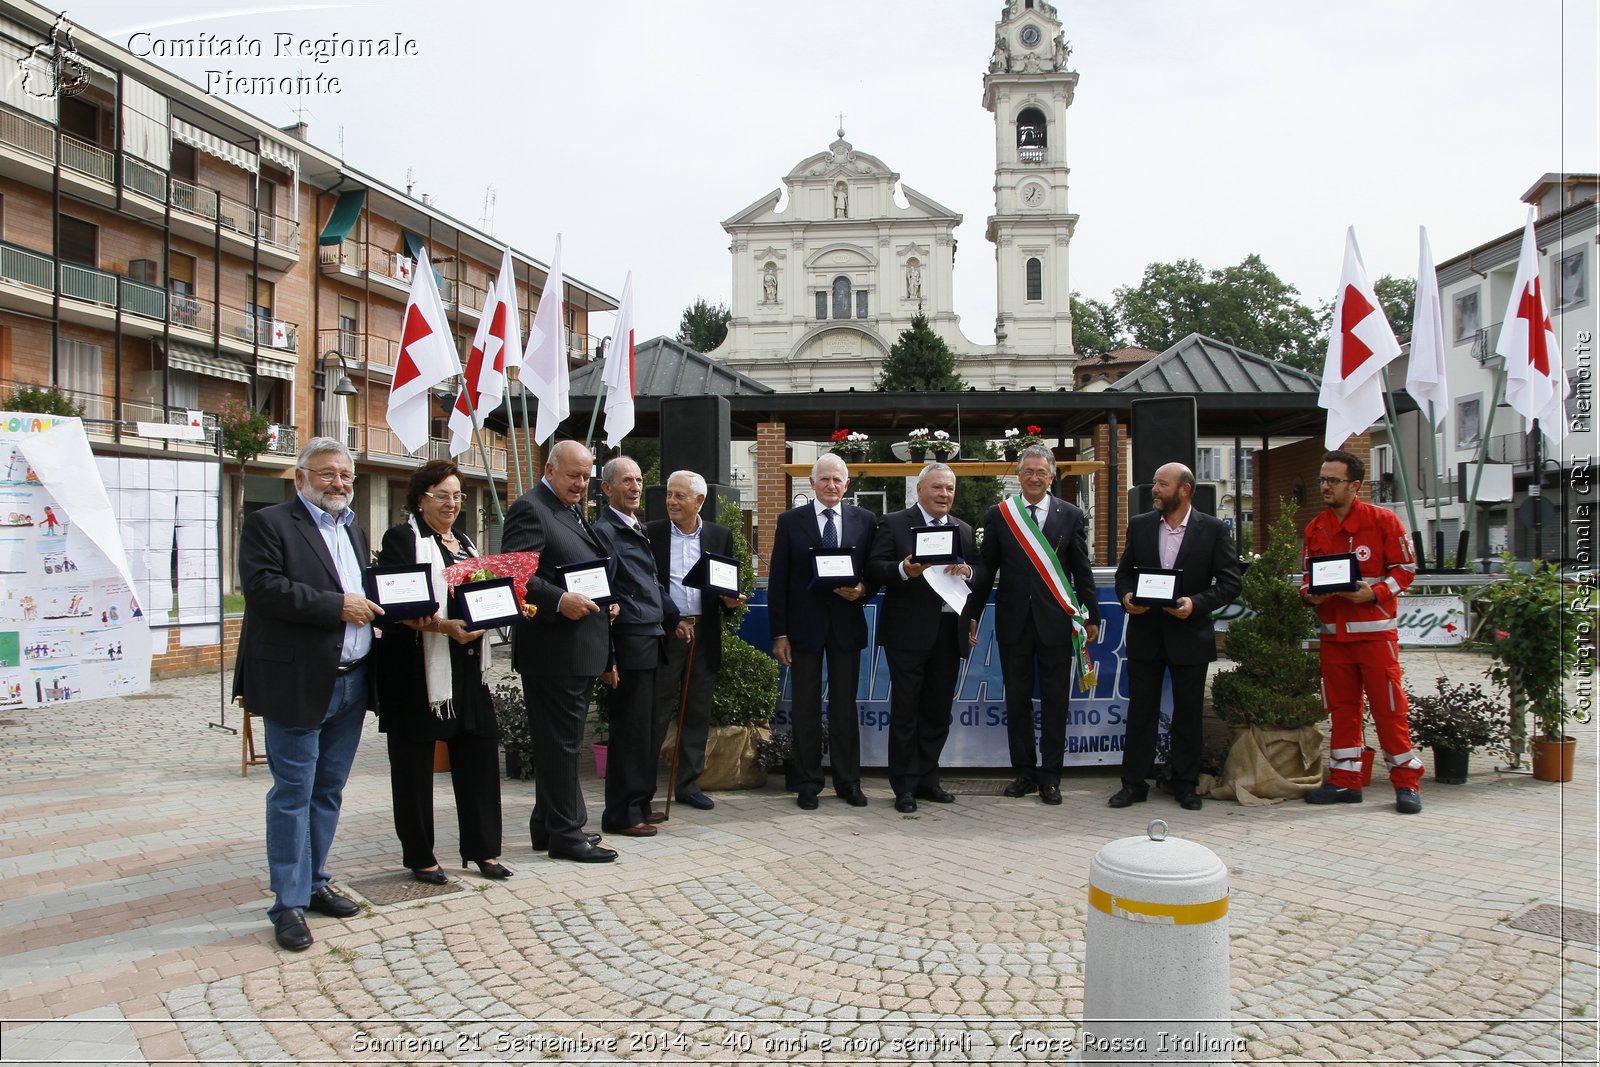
x=822, y=288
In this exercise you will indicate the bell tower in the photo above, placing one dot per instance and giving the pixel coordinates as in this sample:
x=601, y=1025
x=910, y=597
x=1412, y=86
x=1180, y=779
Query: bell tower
x=1028, y=89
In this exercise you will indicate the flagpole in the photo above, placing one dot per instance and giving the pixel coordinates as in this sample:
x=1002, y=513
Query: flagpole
x=599, y=395
x=477, y=435
x=1433, y=456
x=511, y=423
x=1398, y=444
x=1483, y=452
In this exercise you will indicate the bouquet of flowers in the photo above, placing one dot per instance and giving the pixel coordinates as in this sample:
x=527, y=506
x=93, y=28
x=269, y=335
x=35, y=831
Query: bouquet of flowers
x=518, y=566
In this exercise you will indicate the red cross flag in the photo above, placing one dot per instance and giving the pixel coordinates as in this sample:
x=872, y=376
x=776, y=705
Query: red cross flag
x=427, y=358
x=1360, y=345
x=499, y=334
x=1536, y=383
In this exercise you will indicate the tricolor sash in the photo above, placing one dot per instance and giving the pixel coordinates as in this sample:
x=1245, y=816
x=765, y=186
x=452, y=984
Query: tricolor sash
x=1043, y=557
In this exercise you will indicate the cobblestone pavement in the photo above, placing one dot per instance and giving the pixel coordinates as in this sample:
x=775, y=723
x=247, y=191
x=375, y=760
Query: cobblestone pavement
x=134, y=929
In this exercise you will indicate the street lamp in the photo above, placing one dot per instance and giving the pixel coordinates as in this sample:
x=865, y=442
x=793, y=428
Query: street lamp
x=343, y=387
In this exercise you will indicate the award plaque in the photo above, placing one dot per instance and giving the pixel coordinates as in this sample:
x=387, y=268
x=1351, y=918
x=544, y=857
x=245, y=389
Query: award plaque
x=934, y=544
x=1157, y=587
x=714, y=573
x=487, y=604
x=404, y=592
x=1334, y=574
x=834, y=568
x=590, y=579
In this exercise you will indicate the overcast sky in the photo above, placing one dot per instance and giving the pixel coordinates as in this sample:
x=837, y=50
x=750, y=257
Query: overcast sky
x=1205, y=129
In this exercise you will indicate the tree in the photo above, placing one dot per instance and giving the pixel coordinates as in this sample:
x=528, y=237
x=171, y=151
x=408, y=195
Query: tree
x=1095, y=329
x=42, y=400
x=1396, y=296
x=1245, y=305
x=244, y=437
x=704, y=326
x=920, y=361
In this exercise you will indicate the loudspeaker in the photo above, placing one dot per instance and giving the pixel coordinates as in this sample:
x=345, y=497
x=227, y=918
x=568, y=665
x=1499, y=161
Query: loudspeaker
x=1203, y=501
x=1163, y=431
x=694, y=437
x=655, y=501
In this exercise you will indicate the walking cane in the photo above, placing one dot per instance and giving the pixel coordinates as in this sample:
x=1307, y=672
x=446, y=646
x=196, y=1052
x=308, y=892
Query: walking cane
x=683, y=705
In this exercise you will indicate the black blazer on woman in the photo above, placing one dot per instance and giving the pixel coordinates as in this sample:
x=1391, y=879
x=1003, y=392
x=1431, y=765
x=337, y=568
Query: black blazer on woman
x=402, y=687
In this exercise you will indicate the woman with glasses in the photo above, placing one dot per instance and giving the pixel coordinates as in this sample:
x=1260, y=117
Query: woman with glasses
x=431, y=688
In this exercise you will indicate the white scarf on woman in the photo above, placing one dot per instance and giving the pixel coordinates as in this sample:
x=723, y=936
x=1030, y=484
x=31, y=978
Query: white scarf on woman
x=436, y=647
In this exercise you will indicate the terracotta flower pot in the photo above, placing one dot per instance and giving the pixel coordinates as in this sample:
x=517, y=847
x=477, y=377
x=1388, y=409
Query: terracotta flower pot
x=1552, y=760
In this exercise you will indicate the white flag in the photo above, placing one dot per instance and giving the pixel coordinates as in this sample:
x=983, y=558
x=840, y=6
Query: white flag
x=544, y=364
x=497, y=335
x=618, y=373
x=1536, y=383
x=1360, y=345
x=427, y=358
x=1425, y=374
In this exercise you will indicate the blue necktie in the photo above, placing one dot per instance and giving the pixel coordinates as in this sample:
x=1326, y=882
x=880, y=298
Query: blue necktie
x=830, y=532
x=1033, y=513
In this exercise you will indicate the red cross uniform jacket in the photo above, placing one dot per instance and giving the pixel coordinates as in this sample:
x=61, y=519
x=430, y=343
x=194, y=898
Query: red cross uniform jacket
x=1383, y=550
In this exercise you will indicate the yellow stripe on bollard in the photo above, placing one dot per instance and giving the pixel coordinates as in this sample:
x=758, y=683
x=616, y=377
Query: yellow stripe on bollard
x=1141, y=911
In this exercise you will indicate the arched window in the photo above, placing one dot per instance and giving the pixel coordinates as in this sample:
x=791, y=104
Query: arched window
x=1035, y=279
x=1031, y=138
x=841, y=297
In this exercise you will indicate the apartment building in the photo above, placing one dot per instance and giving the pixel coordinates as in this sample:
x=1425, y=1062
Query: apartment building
x=164, y=252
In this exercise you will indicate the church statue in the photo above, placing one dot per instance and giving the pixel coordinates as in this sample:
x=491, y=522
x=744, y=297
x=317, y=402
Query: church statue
x=841, y=201
x=997, y=61
x=913, y=281
x=1062, y=53
x=769, y=284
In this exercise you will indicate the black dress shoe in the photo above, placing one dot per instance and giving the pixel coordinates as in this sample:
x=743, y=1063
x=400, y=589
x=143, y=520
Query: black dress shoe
x=1021, y=786
x=1050, y=794
x=697, y=799
x=433, y=877
x=936, y=794
x=1188, y=802
x=588, y=852
x=807, y=801
x=327, y=901
x=291, y=931
x=905, y=805
x=1126, y=796
x=541, y=839
x=491, y=869
x=853, y=796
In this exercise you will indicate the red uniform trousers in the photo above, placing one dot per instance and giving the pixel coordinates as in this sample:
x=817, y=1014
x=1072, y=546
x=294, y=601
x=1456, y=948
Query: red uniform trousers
x=1350, y=668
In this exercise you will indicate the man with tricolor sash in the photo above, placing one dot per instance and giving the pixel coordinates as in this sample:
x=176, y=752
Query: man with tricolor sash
x=1044, y=620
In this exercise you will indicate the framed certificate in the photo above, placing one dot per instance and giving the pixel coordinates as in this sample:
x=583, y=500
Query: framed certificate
x=934, y=544
x=715, y=573
x=1157, y=588
x=1334, y=574
x=404, y=592
x=590, y=579
x=487, y=604
x=833, y=568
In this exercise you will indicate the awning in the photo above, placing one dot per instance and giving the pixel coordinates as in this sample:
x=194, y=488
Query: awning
x=195, y=137
x=343, y=218
x=270, y=366
x=188, y=357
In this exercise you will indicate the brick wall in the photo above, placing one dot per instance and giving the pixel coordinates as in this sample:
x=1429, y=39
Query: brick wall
x=1281, y=472
x=201, y=659
x=772, y=486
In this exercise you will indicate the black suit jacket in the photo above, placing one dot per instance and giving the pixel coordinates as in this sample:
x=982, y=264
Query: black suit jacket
x=291, y=637
x=1022, y=591
x=714, y=537
x=550, y=644
x=1210, y=567
x=807, y=617
x=646, y=615
x=911, y=609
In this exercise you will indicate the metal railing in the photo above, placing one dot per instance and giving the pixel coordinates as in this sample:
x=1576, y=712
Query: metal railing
x=1509, y=448
x=25, y=267
x=193, y=313
x=193, y=200
x=240, y=218
x=86, y=158
x=144, y=179
x=387, y=264
x=349, y=255
x=28, y=135
x=359, y=349
x=278, y=232
x=137, y=298
x=87, y=283
x=1484, y=342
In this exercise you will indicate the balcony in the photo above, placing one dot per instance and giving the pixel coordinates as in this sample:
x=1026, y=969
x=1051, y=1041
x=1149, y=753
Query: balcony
x=279, y=232
x=28, y=134
x=137, y=298
x=1483, y=345
x=193, y=200
x=361, y=351
x=193, y=313
x=87, y=159
x=240, y=218
x=1510, y=448
x=140, y=177
x=23, y=267
x=253, y=330
x=89, y=284
x=347, y=255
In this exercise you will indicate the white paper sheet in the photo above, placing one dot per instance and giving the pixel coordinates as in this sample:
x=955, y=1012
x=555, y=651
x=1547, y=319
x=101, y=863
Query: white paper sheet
x=952, y=588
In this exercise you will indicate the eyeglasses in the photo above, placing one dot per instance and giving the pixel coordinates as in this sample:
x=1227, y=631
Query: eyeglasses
x=1033, y=472
x=334, y=476
x=1335, y=481
x=446, y=498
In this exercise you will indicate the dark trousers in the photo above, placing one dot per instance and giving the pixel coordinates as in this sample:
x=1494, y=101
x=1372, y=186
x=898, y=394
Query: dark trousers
x=844, y=729
x=558, y=707
x=630, y=762
x=696, y=714
x=475, y=777
x=1144, y=716
x=1019, y=659
x=923, y=685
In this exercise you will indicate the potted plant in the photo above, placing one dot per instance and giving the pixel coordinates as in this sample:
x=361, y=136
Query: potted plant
x=512, y=716
x=1272, y=696
x=1536, y=629
x=920, y=442
x=1018, y=439
x=849, y=445
x=1453, y=720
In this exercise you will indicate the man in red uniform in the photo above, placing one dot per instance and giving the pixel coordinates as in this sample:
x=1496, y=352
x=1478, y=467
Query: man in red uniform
x=1360, y=639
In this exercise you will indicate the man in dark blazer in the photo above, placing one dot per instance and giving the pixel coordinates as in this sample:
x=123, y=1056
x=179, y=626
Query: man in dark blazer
x=1179, y=639
x=637, y=650
x=809, y=625
x=302, y=667
x=678, y=541
x=561, y=650
x=922, y=638
x=1033, y=629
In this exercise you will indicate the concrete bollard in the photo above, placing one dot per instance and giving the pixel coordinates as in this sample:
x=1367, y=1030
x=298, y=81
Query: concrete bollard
x=1155, y=986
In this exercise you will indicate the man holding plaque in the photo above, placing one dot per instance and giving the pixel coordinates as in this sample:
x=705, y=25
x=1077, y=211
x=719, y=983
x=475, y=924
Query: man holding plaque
x=1043, y=621
x=680, y=542
x=1178, y=567
x=1358, y=562
x=561, y=651
x=920, y=630
x=644, y=616
x=816, y=592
